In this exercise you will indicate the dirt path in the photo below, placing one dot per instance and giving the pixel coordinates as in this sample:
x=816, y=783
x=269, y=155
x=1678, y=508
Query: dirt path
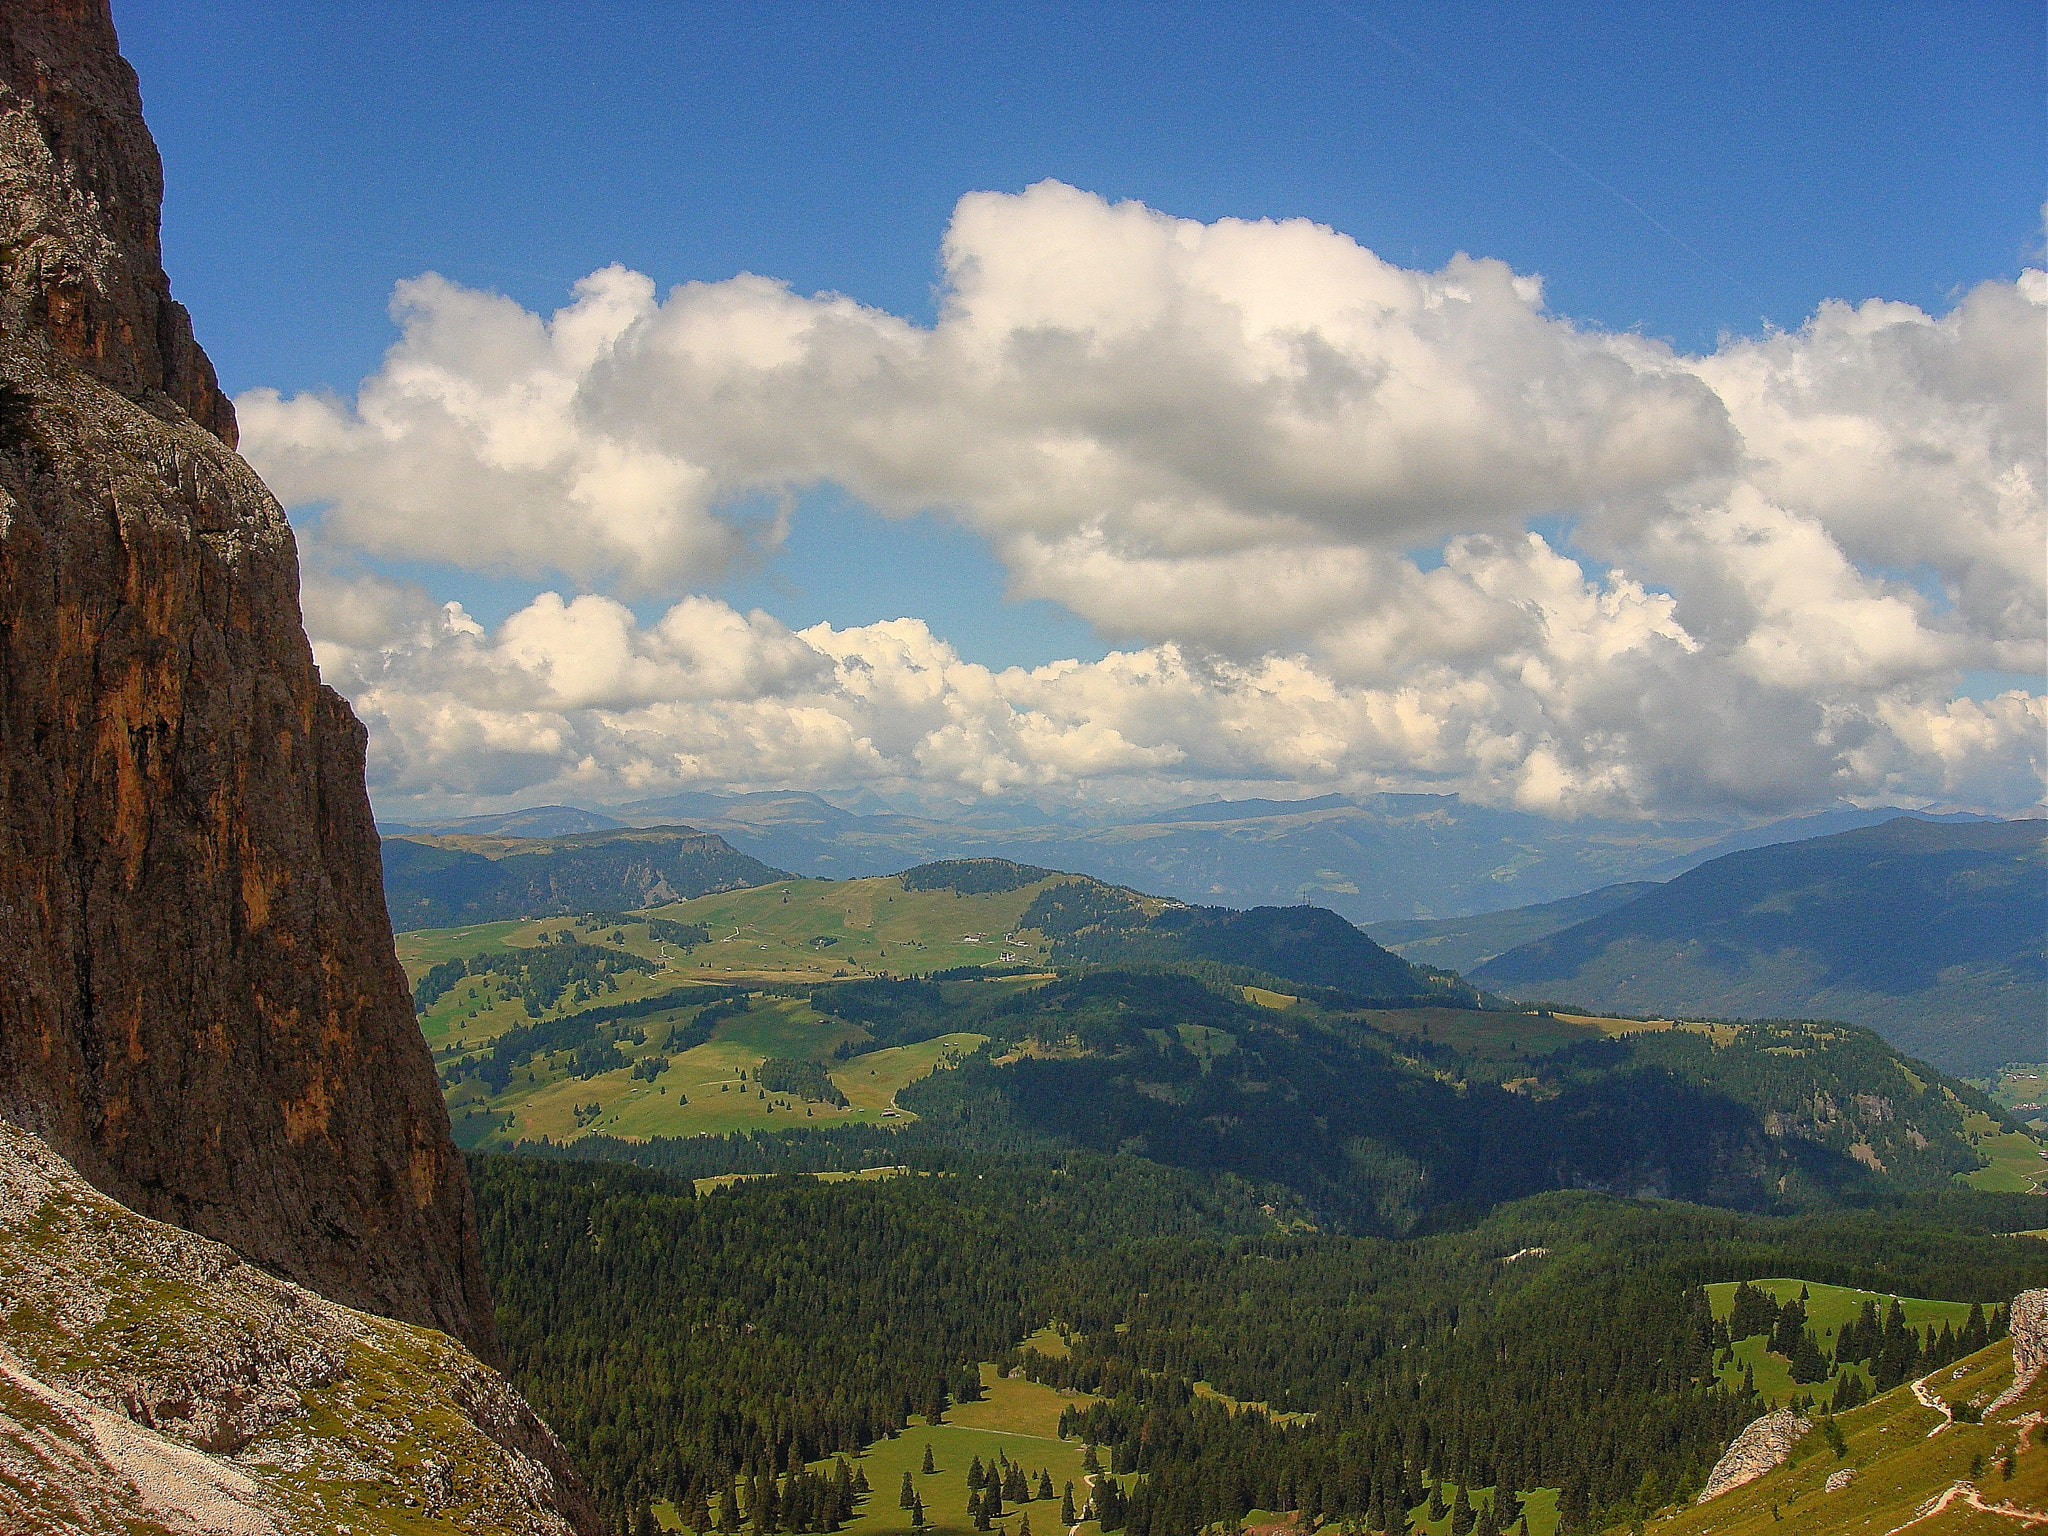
x=1087, y=1493
x=1975, y=1500
x=1927, y=1399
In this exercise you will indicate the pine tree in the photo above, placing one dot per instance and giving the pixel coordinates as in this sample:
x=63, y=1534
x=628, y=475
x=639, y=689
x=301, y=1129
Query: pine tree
x=728, y=1510
x=1484, y=1525
x=1045, y=1482
x=1808, y=1363
x=1090, y=1462
x=643, y=1524
x=1067, y=1507
x=1974, y=1335
x=907, y=1494
x=1437, y=1507
x=928, y=1464
x=1014, y=1487
x=1461, y=1513
x=1785, y=1336
x=917, y=1514
x=1024, y=1525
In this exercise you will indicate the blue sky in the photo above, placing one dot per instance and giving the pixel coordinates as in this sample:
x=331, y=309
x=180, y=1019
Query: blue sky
x=1690, y=172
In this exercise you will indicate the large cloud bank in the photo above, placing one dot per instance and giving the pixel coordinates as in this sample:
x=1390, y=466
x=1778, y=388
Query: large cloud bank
x=1296, y=483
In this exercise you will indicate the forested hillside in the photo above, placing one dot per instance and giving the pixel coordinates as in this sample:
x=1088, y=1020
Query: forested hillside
x=440, y=880
x=1465, y=943
x=1459, y=1251
x=680, y=1343
x=1248, y=1043
x=1929, y=932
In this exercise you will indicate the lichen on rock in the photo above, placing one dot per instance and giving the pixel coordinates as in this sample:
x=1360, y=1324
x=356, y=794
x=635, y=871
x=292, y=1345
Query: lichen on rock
x=152, y=1375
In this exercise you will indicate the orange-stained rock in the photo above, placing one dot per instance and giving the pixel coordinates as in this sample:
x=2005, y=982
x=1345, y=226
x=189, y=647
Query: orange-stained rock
x=199, y=1003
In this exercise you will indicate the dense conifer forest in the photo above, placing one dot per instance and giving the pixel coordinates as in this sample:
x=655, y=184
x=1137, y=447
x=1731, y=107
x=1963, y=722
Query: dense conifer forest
x=681, y=1343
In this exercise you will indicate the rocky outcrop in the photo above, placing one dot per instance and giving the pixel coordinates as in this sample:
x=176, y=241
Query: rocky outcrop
x=1763, y=1445
x=199, y=1003
x=152, y=1378
x=2028, y=1321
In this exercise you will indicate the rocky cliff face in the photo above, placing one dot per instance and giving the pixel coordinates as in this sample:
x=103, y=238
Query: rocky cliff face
x=152, y=1380
x=199, y=1004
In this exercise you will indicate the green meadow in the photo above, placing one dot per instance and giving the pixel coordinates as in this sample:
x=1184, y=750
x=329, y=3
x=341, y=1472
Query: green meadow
x=1018, y=1419
x=1828, y=1307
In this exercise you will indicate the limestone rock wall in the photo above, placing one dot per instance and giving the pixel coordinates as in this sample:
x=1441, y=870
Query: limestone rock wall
x=199, y=1003
x=2029, y=1324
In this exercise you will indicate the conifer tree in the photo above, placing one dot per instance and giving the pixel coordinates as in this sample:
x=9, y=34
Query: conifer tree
x=1024, y=1525
x=907, y=1494
x=1484, y=1525
x=917, y=1514
x=1437, y=1507
x=1808, y=1363
x=728, y=1510
x=928, y=1466
x=1461, y=1513
x=975, y=1475
x=643, y=1524
x=1015, y=1489
x=1045, y=1482
x=1974, y=1335
x=1090, y=1462
x=1067, y=1506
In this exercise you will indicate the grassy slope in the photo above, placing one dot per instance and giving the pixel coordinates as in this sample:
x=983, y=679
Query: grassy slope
x=1019, y=1418
x=1902, y=1466
x=767, y=933
x=872, y=925
x=704, y=1092
x=2016, y=1165
x=1828, y=1307
x=2023, y=1086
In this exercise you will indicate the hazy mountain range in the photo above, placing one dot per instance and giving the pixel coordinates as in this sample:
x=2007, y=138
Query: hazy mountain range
x=1930, y=934
x=1382, y=859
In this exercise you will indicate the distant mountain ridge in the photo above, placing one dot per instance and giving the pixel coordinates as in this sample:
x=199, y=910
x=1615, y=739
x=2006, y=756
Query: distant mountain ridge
x=1461, y=943
x=1377, y=859
x=1930, y=933
x=441, y=880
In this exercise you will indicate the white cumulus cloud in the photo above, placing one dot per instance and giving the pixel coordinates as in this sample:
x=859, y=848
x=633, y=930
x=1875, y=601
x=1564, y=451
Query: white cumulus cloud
x=1293, y=480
